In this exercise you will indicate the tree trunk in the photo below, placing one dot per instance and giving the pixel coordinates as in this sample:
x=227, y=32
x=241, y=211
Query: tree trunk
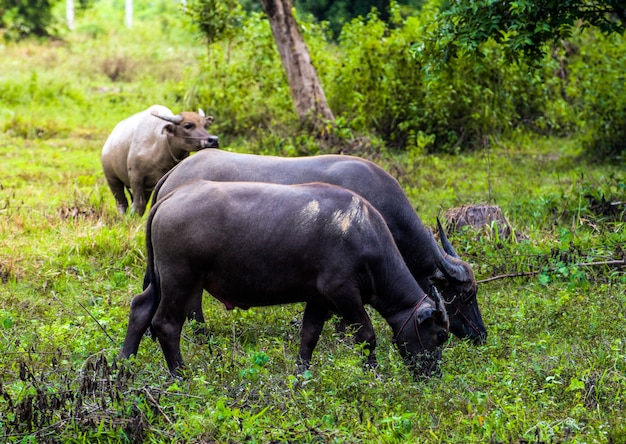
x=307, y=93
x=128, y=14
x=69, y=14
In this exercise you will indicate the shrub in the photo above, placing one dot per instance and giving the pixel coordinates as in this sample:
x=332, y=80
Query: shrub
x=596, y=89
x=23, y=18
x=381, y=81
x=388, y=83
x=243, y=85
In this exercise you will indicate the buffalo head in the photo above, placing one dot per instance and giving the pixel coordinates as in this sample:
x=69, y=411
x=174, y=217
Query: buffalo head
x=188, y=130
x=422, y=333
x=455, y=279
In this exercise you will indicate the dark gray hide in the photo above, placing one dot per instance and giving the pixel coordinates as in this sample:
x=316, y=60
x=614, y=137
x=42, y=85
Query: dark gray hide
x=143, y=147
x=428, y=263
x=256, y=244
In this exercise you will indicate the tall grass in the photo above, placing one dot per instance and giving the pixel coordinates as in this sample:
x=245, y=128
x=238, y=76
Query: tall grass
x=552, y=369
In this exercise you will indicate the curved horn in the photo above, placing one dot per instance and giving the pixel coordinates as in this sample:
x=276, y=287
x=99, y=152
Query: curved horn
x=433, y=293
x=173, y=119
x=447, y=247
x=452, y=267
x=201, y=112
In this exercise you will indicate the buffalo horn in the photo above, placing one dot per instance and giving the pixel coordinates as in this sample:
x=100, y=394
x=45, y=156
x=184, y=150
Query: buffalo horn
x=435, y=296
x=173, y=119
x=201, y=112
x=451, y=266
x=447, y=247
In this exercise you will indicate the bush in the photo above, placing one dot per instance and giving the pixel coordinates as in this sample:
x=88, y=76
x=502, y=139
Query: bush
x=244, y=86
x=388, y=84
x=381, y=81
x=596, y=90
x=23, y=18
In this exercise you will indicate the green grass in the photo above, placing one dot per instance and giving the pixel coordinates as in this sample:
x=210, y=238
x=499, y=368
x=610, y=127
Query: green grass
x=553, y=368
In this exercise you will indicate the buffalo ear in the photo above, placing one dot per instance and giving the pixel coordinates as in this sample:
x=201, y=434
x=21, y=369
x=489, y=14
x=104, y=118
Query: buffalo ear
x=433, y=314
x=426, y=313
x=169, y=129
x=208, y=120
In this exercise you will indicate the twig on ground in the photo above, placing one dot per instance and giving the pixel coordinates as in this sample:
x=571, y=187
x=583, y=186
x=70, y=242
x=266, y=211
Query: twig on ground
x=156, y=404
x=612, y=263
x=97, y=322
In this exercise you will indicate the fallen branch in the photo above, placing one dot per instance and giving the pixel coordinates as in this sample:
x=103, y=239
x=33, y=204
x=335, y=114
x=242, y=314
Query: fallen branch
x=54, y=296
x=156, y=404
x=97, y=322
x=613, y=263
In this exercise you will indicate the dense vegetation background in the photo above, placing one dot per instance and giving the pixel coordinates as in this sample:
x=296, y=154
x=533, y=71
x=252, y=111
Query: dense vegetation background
x=544, y=140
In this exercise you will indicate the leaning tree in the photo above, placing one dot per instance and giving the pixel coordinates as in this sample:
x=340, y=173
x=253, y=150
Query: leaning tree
x=218, y=19
x=306, y=90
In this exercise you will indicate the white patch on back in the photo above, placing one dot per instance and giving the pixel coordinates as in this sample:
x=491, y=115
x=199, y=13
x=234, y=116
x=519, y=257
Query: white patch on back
x=309, y=213
x=343, y=220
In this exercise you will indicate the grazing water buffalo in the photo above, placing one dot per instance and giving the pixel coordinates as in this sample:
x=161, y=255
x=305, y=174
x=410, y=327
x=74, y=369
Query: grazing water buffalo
x=143, y=147
x=256, y=244
x=426, y=260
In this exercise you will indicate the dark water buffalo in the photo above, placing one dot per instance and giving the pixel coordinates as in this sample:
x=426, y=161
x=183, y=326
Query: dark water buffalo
x=428, y=263
x=143, y=147
x=256, y=244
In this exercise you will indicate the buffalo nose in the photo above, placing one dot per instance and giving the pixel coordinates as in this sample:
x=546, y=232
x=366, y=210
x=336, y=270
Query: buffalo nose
x=479, y=339
x=212, y=142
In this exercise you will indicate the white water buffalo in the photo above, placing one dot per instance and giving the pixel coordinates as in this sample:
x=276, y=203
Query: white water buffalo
x=257, y=244
x=143, y=147
x=428, y=263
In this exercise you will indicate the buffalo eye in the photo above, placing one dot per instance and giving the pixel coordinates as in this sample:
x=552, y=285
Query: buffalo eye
x=466, y=297
x=188, y=126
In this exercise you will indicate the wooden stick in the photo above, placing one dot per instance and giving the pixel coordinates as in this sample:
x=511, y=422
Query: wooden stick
x=616, y=263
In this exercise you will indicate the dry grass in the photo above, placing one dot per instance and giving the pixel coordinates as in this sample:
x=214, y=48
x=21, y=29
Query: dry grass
x=488, y=220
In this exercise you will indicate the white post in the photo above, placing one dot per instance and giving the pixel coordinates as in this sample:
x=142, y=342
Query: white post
x=69, y=14
x=129, y=13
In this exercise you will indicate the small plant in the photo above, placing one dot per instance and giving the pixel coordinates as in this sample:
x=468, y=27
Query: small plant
x=257, y=367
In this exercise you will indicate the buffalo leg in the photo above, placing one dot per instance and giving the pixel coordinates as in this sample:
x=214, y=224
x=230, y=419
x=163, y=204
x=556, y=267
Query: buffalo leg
x=195, y=314
x=167, y=328
x=138, y=321
x=353, y=312
x=178, y=289
x=117, y=188
x=139, y=195
x=312, y=324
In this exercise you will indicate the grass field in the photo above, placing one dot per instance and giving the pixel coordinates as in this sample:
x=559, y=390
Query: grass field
x=553, y=368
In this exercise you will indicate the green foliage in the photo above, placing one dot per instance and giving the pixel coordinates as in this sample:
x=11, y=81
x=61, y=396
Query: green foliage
x=585, y=90
x=23, y=18
x=523, y=26
x=337, y=13
x=216, y=20
x=387, y=84
x=247, y=91
x=383, y=81
x=594, y=87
